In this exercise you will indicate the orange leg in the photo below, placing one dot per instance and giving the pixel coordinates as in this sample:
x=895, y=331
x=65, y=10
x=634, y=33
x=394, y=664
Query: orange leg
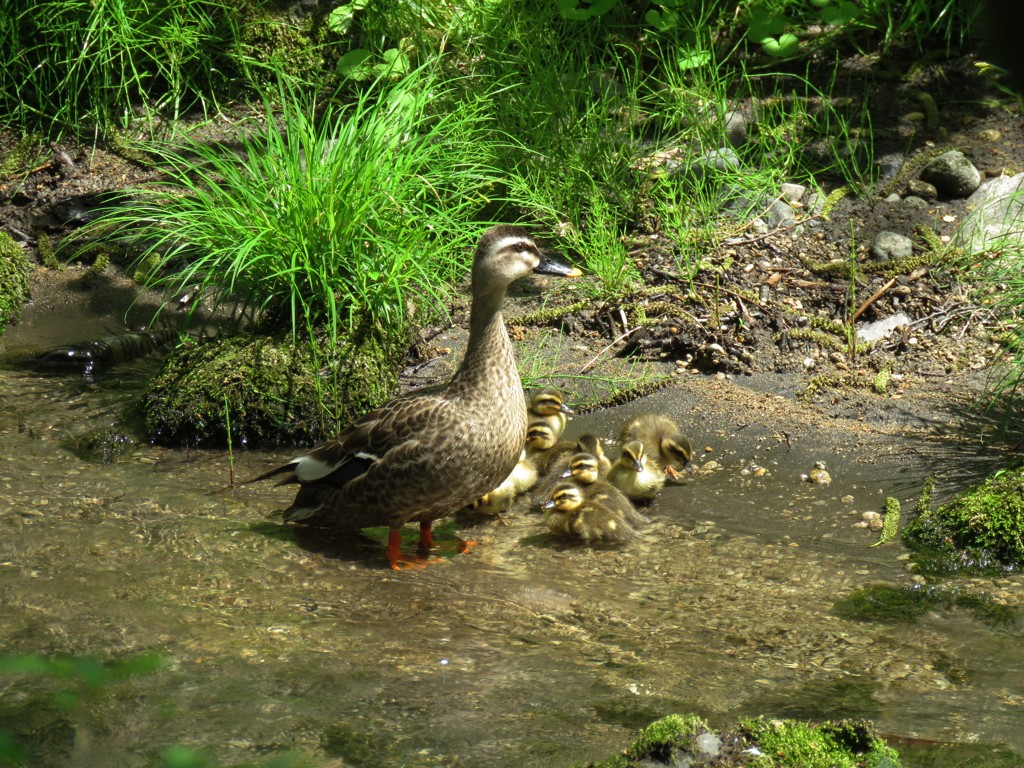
x=400, y=561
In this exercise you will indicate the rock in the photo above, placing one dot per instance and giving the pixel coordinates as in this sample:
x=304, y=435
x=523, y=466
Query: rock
x=912, y=201
x=735, y=128
x=881, y=329
x=922, y=189
x=792, y=193
x=998, y=215
x=724, y=159
x=952, y=174
x=891, y=245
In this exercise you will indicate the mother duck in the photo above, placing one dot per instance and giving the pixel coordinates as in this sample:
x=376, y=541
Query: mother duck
x=428, y=453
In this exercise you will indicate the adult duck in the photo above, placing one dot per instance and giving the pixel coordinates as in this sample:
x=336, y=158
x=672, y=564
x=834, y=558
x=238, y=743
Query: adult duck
x=428, y=453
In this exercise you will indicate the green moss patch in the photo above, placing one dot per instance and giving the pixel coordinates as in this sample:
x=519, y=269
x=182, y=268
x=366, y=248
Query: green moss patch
x=268, y=391
x=842, y=744
x=981, y=529
x=759, y=743
x=14, y=269
x=889, y=604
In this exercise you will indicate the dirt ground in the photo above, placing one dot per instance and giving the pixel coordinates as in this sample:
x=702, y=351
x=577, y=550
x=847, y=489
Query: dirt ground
x=769, y=309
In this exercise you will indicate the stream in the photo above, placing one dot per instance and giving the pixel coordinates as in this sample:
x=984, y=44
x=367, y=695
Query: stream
x=526, y=651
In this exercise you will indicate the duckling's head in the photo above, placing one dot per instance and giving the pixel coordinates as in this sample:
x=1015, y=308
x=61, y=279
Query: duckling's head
x=679, y=450
x=565, y=497
x=590, y=444
x=540, y=436
x=633, y=456
x=583, y=468
x=506, y=253
x=548, y=401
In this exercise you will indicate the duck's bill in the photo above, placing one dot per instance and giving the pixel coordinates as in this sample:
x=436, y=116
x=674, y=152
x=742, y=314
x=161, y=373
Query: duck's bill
x=550, y=267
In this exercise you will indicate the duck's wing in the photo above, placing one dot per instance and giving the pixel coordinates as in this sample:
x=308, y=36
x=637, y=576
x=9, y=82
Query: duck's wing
x=397, y=426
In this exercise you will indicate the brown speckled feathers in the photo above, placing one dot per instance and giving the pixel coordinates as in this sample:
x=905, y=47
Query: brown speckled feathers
x=428, y=453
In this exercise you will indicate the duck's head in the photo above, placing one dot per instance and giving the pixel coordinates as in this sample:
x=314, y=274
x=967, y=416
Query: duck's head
x=588, y=443
x=540, y=436
x=633, y=456
x=565, y=497
x=679, y=449
x=583, y=467
x=548, y=401
x=506, y=253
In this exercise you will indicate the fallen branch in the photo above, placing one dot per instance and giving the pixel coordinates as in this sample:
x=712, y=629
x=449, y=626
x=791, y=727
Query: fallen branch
x=877, y=295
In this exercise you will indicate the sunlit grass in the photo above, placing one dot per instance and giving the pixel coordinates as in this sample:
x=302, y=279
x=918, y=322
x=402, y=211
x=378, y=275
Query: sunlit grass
x=319, y=217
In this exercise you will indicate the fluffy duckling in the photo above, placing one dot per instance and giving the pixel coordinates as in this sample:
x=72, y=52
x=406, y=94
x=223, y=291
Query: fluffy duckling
x=662, y=441
x=635, y=474
x=496, y=502
x=543, y=446
x=558, y=465
x=571, y=511
x=549, y=405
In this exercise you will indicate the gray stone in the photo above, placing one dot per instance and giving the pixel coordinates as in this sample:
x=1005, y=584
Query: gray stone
x=891, y=245
x=952, y=174
x=792, y=193
x=724, y=159
x=893, y=198
x=922, y=189
x=912, y=201
x=998, y=215
x=735, y=128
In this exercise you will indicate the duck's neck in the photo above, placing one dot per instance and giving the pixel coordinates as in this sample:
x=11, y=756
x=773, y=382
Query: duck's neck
x=489, y=363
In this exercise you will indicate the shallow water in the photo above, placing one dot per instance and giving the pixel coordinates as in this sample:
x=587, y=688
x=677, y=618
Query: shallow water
x=523, y=652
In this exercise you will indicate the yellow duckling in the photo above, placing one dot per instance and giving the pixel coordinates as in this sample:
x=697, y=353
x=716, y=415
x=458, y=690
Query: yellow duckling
x=498, y=501
x=662, y=441
x=548, y=404
x=635, y=474
x=560, y=459
x=573, y=512
x=543, y=446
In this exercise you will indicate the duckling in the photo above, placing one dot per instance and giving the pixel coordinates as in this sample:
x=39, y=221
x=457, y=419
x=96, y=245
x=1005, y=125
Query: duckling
x=548, y=404
x=572, y=512
x=428, y=453
x=543, y=445
x=496, y=502
x=591, y=444
x=635, y=474
x=662, y=440
x=560, y=459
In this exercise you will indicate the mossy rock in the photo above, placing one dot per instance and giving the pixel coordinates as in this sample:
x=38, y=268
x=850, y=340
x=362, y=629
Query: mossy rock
x=14, y=269
x=982, y=528
x=268, y=391
x=758, y=743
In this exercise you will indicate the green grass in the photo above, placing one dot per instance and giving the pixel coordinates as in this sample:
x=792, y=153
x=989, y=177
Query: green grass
x=74, y=64
x=320, y=216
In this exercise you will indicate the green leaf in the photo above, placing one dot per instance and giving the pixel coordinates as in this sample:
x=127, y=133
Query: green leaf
x=662, y=21
x=782, y=47
x=340, y=19
x=821, y=3
x=841, y=14
x=764, y=24
x=693, y=58
x=354, y=64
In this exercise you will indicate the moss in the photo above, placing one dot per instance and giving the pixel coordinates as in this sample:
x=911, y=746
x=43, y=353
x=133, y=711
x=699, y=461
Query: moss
x=833, y=199
x=891, y=525
x=981, y=528
x=821, y=338
x=270, y=391
x=14, y=269
x=892, y=605
x=687, y=740
x=888, y=604
x=660, y=739
x=842, y=744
